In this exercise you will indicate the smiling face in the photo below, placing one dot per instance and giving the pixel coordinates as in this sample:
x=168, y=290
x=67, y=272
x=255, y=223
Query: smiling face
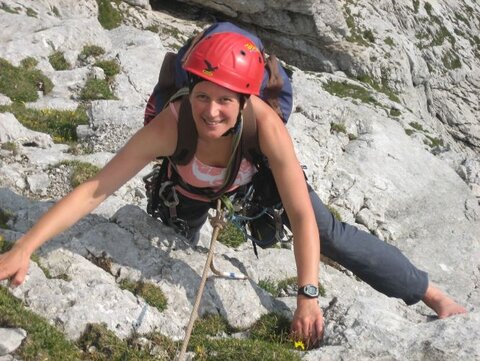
x=214, y=108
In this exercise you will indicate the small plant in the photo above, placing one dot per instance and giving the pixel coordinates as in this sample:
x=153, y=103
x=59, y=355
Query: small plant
x=416, y=126
x=273, y=328
x=8, y=9
x=110, y=67
x=55, y=11
x=416, y=5
x=277, y=288
x=60, y=124
x=435, y=142
x=344, y=90
x=95, y=89
x=382, y=88
x=92, y=50
x=99, y=343
x=395, y=112
x=368, y=35
x=153, y=28
x=32, y=13
x=10, y=146
x=29, y=63
x=269, y=285
x=338, y=128
x=22, y=83
x=108, y=16
x=268, y=340
x=151, y=293
x=35, y=258
x=231, y=236
x=58, y=61
x=43, y=342
x=428, y=8
x=409, y=131
x=81, y=171
x=451, y=61
x=389, y=41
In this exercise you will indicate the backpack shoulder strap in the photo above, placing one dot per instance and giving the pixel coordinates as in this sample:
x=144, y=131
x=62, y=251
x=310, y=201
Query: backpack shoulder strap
x=250, y=145
x=186, y=135
x=273, y=89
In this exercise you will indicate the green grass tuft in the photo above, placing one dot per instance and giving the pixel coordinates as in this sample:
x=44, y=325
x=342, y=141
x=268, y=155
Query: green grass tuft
x=58, y=61
x=346, y=90
x=23, y=82
x=150, y=292
x=60, y=124
x=96, y=89
x=108, y=16
x=231, y=236
x=338, y=128
x=395, y=112
x=110, y=67
x=81, y=171
x=268, y=340
x=43, y=342
x=92, y=50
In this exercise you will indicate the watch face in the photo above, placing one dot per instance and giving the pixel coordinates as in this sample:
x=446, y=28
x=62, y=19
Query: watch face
x=309, y=291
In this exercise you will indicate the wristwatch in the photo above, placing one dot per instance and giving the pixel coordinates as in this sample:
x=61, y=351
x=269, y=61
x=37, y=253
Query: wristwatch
x=310, y=291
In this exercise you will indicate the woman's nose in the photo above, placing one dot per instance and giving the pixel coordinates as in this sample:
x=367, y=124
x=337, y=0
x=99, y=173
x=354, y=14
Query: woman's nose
x=213, y=109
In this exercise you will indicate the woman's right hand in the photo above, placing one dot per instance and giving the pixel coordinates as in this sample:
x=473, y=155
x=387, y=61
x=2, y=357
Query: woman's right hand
x=14, y=265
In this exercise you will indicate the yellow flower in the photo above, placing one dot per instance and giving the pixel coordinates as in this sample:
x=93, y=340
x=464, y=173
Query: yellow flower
x=299, y=344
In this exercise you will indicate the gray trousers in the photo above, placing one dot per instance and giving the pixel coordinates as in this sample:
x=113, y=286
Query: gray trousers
x=381, y=265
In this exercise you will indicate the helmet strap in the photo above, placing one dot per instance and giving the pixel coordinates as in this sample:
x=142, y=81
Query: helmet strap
x=234, y=129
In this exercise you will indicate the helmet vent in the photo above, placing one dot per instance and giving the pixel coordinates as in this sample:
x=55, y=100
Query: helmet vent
x=243, y=52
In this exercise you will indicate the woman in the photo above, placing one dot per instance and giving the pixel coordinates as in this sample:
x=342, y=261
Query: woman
x=225, y=75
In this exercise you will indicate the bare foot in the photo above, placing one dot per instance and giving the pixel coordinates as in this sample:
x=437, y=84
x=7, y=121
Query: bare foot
x=443, y=305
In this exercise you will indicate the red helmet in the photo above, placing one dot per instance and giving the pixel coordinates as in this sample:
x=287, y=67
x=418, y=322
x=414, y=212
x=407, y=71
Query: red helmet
x=228, y=59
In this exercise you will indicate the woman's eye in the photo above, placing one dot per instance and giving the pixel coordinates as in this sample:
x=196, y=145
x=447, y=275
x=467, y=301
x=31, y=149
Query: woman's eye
x=202, y=97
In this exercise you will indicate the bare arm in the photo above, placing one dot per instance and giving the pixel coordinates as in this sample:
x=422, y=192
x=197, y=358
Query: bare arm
x=156, y=139
x=277, y=146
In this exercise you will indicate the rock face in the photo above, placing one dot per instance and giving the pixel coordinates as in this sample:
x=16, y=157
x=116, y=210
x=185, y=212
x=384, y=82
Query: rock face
x=402, y=163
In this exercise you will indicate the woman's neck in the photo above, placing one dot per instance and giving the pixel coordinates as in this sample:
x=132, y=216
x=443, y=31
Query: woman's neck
x=214, y=152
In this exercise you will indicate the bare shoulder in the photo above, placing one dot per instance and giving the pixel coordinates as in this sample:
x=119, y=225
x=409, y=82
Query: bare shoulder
x=159, y=137
x=272, y=133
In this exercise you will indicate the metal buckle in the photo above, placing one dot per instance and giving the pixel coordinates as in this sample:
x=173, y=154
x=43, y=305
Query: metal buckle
x=173, y=193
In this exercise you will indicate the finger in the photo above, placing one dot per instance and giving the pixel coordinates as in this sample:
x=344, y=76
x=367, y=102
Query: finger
x=18, y=278
x=320, y=328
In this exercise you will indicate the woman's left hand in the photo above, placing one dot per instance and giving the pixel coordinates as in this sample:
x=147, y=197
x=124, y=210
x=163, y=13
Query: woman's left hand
x=307, y=324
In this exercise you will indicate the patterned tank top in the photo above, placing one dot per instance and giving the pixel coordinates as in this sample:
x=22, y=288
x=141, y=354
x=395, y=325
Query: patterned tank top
x=201, y=175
